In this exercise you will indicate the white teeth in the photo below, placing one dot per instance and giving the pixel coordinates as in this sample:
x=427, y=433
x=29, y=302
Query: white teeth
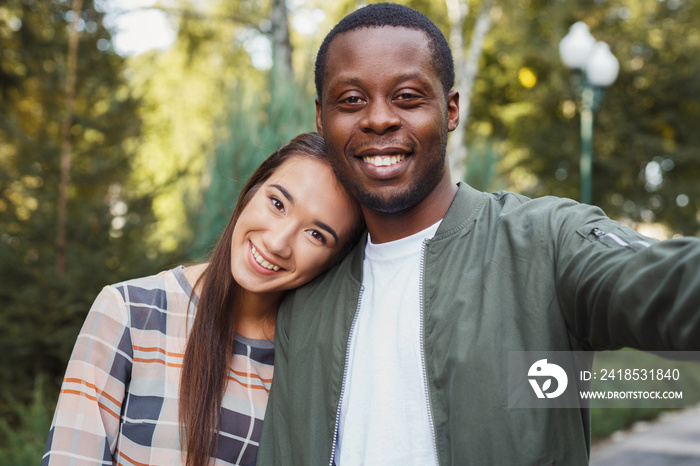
x=383, y=160
x=261, y=260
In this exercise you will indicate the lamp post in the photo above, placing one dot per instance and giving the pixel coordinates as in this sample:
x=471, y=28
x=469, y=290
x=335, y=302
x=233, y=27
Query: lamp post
x=595, y=67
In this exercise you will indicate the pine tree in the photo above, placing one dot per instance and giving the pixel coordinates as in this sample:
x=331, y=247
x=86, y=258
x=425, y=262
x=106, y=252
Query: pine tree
x=42, y=308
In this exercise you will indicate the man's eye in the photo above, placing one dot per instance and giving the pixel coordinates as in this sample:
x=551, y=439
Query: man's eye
x=406, y=96
x=317, y=235
x=277, y=204
x=352, y=100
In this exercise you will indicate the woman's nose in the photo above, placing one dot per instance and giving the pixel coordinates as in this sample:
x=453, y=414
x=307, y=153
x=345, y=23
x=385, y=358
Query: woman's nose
x=278, y=240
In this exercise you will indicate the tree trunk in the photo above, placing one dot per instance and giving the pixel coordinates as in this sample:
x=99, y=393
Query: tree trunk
x=281, y=45
x=466, y=70
x=458, y=11
x=66, y=144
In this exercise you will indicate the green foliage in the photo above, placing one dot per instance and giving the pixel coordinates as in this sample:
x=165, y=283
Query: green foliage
x=254, y=130
x=482, y=165
x=606, y=421
x=41, y=310
x=184, y=94
x=608, y=416
x=648, y=116
x=24, y=428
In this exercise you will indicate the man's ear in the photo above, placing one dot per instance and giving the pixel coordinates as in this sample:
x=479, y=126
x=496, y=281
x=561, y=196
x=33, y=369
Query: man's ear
x=319, y=120
x=452, y=110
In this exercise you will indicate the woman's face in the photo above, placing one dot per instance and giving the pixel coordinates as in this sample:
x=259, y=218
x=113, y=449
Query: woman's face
x=292, y=228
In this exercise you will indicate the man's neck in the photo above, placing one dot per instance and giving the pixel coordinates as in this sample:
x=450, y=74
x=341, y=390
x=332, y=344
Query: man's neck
x=391, y=227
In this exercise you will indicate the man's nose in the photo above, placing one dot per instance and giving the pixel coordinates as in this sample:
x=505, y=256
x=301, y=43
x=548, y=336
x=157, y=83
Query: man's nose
x=380, y=117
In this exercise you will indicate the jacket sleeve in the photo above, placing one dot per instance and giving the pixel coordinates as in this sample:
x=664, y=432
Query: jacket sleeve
x=275, y=443
x=618, y=288
x=85, y=425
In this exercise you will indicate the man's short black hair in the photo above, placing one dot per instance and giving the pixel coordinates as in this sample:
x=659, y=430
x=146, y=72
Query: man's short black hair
x=391, y=15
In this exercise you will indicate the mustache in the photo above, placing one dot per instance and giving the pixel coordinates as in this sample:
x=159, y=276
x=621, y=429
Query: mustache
x=354, y=149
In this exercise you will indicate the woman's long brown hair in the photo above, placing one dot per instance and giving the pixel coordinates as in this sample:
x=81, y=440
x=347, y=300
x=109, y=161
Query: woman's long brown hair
x=210, y=343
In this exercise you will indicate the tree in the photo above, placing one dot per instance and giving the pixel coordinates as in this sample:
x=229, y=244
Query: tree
x=188, y=94
x=41, y=310
x=645, y=151
x=257, y=124
x=466, y=70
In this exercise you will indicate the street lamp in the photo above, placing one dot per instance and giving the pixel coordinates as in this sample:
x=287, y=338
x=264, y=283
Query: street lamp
x=595, y=68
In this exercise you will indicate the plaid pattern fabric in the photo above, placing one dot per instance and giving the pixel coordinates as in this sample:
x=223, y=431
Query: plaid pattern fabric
x=119, y=399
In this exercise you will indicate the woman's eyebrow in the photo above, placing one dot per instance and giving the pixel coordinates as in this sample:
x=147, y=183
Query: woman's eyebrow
x=284, y=192
x=328, y=228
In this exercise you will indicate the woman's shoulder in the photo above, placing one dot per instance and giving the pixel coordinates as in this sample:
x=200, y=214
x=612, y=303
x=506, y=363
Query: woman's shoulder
x=157, y=280
x=193, y=272
x=154, y=290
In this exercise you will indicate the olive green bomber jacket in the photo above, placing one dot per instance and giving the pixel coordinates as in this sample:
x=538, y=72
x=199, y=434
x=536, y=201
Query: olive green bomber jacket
x=503, y=273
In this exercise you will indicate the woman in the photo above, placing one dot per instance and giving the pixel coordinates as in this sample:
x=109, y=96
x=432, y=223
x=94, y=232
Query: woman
x=176, y=368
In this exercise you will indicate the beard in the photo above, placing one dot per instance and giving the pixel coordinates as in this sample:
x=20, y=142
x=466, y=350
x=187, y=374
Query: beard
x=402, y=198
x=398, y=199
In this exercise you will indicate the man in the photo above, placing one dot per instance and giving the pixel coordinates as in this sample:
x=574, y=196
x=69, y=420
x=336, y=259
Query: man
x=399, y=354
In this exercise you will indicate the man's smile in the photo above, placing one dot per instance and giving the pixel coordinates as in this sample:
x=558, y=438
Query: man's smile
x=383, y=157
x=383, y=160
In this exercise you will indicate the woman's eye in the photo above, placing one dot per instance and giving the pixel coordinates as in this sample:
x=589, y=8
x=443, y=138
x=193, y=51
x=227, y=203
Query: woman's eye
x=318, y=236
x=277, y=204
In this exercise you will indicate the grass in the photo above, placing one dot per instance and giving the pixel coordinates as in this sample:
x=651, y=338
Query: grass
x=616, y=414
x=25, y=427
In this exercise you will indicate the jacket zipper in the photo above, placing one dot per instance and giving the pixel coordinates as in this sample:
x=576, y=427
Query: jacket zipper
x=422, y=352
x=345, y=374
x=614, y=240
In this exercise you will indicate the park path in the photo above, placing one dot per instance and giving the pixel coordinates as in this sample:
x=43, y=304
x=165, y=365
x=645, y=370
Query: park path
x=672, y=440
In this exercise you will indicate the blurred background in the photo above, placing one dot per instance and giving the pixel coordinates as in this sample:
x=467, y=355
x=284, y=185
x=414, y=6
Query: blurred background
x=128, y=126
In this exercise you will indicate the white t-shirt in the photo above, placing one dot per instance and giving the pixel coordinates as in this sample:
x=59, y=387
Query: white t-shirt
x=384, y=414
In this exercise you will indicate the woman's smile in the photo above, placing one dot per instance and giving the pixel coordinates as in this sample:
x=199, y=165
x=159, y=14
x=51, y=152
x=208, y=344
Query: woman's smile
x=260, y=260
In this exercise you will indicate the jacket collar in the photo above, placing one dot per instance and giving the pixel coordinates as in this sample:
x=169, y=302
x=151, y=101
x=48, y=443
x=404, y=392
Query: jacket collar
x=467, y=202
x=357, y=255
x=463, y=209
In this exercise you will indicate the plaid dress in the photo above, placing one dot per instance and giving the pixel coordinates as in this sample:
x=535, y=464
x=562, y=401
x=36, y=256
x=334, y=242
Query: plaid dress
x=119, y=399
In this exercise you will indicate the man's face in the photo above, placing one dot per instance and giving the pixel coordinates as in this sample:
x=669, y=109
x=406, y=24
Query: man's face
x=384, y=116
